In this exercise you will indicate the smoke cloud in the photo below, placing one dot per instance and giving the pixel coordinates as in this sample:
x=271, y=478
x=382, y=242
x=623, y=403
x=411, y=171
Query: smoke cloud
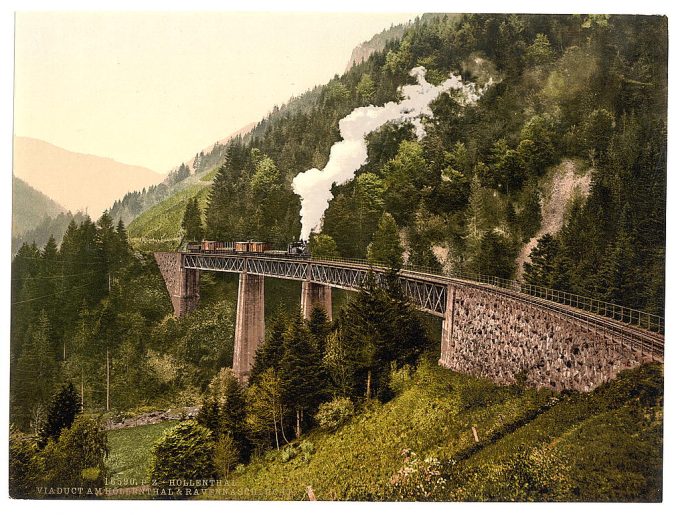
x=346, y=157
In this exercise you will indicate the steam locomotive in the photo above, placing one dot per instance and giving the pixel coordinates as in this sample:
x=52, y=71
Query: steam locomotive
x=295, y=249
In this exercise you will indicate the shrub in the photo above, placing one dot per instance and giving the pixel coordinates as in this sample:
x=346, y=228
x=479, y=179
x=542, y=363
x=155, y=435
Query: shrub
x=418, y=479
x=333, y=414
x=226, y=455
x=78, y=457
x=23, y=469
x=288, y=453
x=307, y=449
x=183, y=452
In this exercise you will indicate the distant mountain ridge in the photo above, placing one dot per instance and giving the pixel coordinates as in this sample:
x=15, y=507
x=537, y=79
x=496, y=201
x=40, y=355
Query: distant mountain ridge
x=30, y=207
x=77, y=181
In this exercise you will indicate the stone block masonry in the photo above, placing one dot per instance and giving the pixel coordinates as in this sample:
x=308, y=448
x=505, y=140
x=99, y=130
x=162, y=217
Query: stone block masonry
x=182, y=283
x=501, y=338
x=314, y=294
x=249, y=323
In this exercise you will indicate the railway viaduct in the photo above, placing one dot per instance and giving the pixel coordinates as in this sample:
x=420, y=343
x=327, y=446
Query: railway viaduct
x=491, y=328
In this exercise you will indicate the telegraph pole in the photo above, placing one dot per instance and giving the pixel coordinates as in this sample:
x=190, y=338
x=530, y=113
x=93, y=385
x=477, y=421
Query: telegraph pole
x=108, y=377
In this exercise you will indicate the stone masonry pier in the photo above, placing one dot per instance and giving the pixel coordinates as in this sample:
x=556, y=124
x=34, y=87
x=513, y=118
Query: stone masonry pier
x=182, y=283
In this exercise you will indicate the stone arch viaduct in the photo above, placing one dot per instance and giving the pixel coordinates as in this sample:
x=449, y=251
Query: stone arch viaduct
x=499, y=331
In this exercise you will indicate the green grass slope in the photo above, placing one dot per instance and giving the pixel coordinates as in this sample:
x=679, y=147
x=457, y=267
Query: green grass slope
x=130, y=452
x=158, y=228
x=533, y=445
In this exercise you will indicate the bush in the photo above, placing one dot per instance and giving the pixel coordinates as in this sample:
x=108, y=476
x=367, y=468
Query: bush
x=78, y=457
x=307, y=449
x=226, y=455
x=333, y=414
x=419, y=479
x=183, y=452
x=23, y=469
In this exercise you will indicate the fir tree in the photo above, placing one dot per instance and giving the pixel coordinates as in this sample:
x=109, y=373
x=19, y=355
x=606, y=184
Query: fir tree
x=35, y=372
x=386, y=245
x=301, y=373
x=269, y=353
x=540, y=271
x=191, y=222
x=61, y=412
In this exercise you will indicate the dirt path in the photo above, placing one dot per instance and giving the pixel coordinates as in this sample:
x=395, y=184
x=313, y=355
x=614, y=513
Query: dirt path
x=565, y=184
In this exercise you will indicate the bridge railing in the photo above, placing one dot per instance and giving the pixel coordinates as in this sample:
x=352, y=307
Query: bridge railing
x=626, y=315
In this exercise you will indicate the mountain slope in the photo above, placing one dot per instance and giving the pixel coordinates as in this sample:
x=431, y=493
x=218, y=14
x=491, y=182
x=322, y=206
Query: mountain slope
x=159, y=227
x=29, y=207
x=533, y=445
x=77, y=181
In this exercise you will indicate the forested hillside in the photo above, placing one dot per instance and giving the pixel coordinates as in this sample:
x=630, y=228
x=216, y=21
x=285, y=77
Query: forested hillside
x=30, y=207
x=591, y=88
x=589, y=92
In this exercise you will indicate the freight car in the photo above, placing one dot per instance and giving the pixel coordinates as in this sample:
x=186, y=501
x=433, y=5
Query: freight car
x=295, y=249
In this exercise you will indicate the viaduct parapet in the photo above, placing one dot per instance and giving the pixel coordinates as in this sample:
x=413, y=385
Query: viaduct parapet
x=492, y=332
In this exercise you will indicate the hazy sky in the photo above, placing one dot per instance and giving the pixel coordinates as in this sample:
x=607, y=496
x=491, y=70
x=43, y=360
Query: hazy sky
x=152, y=89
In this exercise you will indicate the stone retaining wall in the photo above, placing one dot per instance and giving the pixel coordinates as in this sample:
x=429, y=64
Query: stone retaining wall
x=502, y=338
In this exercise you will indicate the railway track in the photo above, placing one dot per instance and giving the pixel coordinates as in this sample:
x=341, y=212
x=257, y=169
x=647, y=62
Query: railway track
x=647, y=344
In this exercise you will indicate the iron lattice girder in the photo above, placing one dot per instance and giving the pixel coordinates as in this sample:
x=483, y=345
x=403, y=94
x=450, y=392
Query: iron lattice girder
x=284, y=268
x=214, y=263
x=426, y=294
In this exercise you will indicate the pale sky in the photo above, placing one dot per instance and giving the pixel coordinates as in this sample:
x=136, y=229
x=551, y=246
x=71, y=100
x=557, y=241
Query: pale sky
x=152, y=89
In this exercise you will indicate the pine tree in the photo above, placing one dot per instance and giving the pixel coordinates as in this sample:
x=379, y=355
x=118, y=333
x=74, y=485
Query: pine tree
x=233, y=414
x=386, y=245
x=269, y=353
x=35, y=372
x=61, y=412
x=320, y=327
x=474, y=217
x=191, y=222
x=540, y=271
x=301, y=373
x=495, y=257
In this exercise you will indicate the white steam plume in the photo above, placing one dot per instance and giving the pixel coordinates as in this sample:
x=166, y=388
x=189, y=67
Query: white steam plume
x=314, y=185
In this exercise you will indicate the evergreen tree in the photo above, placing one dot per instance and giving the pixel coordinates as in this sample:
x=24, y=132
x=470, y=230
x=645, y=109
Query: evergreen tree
x=34, y=375
x=618, y=279
x=386, y=245
x=269, y=353
x=320, y=327
x=302, y=375
x=191, y=222
x=540, y=271
x=61, y=412
x=496, y=256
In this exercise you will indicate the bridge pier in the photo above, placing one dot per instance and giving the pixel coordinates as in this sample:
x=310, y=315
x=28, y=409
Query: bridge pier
x=315, y=294
x=249, y=323
x=182, y=283
x=447, y=325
